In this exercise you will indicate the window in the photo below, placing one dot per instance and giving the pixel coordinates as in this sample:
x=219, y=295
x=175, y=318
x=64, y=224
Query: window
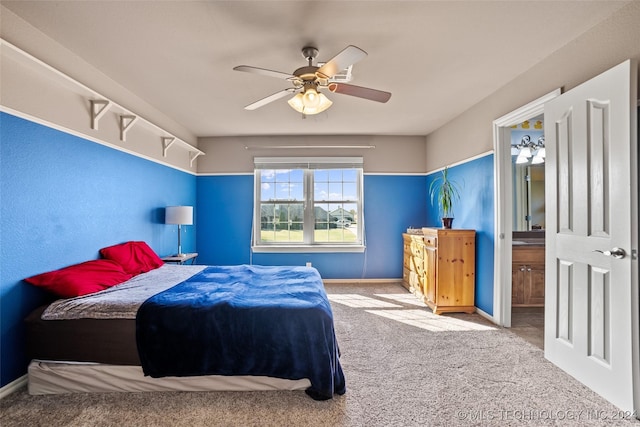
x=308, y=204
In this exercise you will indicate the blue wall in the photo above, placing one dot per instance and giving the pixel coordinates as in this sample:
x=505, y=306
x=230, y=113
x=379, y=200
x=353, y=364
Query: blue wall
x=391, y=204
x=474, y=211
x=62, y=198
x=225, y=209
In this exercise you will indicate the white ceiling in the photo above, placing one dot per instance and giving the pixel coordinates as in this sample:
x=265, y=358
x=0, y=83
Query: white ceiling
x=438, y=58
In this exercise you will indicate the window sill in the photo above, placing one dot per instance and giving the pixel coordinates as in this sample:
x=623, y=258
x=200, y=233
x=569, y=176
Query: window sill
x=307, y=248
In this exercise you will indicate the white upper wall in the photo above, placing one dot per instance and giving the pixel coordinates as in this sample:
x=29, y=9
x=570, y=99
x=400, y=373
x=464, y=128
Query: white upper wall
x=604, y=46
x=33, y=89
x=385, y=154
x=28, y=90
x=55, y=87
x=23, y=35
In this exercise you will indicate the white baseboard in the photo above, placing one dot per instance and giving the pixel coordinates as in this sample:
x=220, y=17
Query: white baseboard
x=13, y=386
x=486, y=315
x=362, y=281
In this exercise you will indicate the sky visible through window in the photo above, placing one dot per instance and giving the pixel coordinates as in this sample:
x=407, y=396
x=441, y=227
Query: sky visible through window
x=329, y=185
x=332, y=205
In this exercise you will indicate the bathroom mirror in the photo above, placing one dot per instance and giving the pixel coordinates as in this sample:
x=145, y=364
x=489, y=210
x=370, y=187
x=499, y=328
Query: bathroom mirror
x=528, y=157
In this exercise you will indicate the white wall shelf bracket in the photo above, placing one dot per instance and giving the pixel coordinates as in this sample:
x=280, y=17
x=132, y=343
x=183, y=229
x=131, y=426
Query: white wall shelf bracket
x=98, y=109
x=167, y=142
x=194, y=155
x=99, y=105
x=126, y=121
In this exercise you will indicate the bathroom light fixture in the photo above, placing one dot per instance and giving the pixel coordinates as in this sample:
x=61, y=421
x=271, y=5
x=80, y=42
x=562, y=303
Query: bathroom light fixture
x=527, y=149
x=539, y=157
x=521, y=159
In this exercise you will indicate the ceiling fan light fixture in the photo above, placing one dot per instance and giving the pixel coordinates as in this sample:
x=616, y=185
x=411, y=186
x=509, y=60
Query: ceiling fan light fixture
x=310, y=98
x=309, y=78
x=299, y=103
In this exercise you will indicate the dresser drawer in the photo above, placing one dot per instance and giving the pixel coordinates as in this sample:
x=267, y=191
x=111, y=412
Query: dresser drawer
x=414, y=264
x=407, y=261
x=417, y=249
x=416, y=281
x=430, y=241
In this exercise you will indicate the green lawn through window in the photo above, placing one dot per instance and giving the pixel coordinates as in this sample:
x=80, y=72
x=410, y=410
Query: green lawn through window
x=320, y=236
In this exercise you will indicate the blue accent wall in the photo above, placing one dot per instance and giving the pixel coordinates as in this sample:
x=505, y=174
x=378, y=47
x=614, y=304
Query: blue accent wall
x=225, y=206
x=475, y=210
x=62, y=198
x=391, y=204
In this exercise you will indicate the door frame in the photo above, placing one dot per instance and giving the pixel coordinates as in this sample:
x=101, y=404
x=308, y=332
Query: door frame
x=503, y=196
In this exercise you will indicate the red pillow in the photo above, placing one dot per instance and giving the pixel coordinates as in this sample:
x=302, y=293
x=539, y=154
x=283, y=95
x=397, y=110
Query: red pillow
x=81, y=279
x=134, y=257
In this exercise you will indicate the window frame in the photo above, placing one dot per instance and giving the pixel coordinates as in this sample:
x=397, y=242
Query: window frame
x=308, y=166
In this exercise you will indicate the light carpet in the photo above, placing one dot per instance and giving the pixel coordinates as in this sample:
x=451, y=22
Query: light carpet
x=404, y=366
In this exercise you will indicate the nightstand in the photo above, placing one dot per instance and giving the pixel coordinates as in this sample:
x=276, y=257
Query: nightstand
x=181, y=259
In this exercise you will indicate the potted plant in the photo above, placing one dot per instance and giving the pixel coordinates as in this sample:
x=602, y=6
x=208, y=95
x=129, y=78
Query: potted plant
x=447, y=193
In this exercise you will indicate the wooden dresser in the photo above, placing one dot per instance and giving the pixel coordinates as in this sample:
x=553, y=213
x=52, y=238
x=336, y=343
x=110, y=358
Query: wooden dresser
x=413, y=268
x=439, y=267
x=450, y=269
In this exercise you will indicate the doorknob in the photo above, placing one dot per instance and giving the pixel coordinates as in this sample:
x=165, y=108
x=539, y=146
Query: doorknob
x=617, y=253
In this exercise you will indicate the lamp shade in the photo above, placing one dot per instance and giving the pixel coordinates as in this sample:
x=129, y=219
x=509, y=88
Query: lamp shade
x=537, y=160
x=526, y=152
x=308, y=107
x=182, y=215
x=521, y=159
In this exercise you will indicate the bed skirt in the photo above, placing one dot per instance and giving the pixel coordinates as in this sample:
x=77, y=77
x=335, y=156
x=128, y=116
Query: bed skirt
x=48, y=377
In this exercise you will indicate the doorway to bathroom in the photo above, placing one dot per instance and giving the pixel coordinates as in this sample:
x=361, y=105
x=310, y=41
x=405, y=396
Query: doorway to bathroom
x=527, y=145
x=518, y=208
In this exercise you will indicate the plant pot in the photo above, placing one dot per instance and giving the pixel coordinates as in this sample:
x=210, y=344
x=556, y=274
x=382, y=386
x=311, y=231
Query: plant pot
x=447, y=222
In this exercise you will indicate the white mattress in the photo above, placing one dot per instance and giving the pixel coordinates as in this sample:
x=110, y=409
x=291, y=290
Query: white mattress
x=47, y=377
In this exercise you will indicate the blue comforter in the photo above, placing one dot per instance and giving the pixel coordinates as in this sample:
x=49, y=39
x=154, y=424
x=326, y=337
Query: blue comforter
x=243, y=320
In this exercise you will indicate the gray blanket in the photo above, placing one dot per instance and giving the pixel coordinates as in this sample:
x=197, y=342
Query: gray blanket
x=121, y=301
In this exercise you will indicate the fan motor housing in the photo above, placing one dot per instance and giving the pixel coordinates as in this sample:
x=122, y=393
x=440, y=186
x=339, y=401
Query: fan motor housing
x=306, y=73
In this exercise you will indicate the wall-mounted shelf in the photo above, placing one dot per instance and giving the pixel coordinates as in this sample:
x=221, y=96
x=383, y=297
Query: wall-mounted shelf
x=289, y=147
x=99, y=104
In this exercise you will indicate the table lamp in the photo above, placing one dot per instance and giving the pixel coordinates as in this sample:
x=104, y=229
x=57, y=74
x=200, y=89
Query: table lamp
x=180, y=215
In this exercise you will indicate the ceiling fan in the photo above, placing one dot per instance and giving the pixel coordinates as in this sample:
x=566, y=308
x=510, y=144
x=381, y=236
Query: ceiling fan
x=308, y=80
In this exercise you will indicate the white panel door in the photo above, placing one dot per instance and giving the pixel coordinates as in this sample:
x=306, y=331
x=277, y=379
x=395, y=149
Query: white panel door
x=591, y=307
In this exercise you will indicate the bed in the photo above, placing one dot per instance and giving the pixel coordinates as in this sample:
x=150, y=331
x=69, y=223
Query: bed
x=178, y=327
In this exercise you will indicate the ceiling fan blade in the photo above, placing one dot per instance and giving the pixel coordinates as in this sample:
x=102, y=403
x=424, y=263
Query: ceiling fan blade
x=349, y=56
x=360, y=92
x=264, y=101
x=265, y=72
